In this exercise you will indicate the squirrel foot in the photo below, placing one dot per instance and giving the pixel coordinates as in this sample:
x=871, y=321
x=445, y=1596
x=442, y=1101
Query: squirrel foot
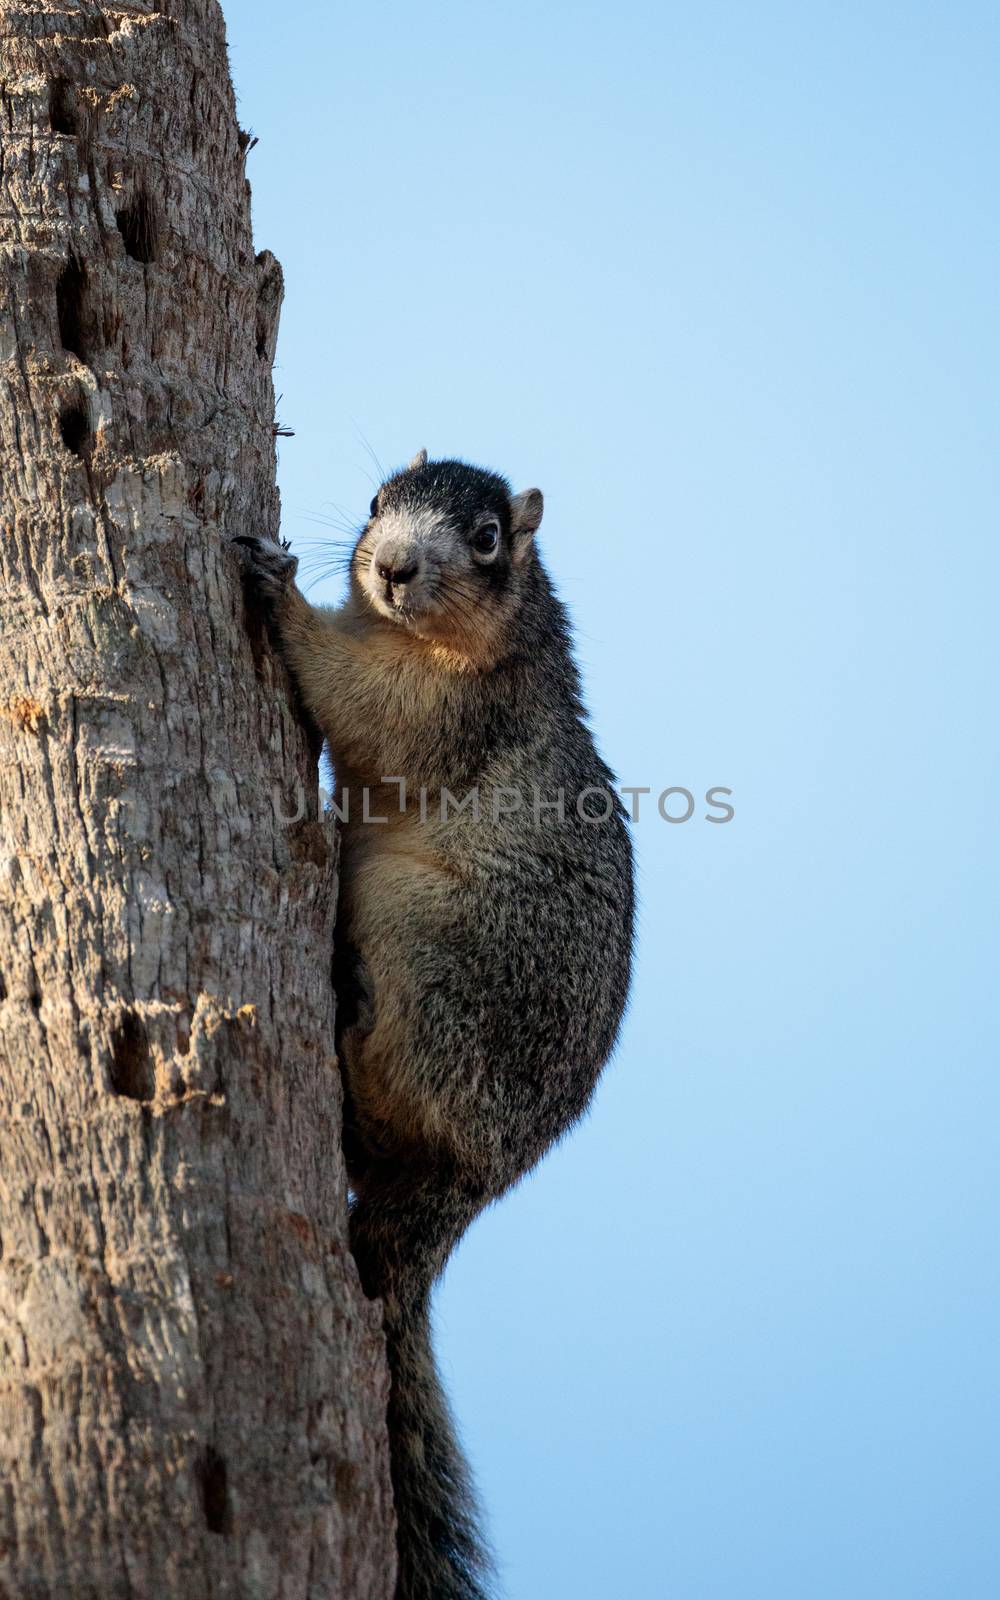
x=270, y=565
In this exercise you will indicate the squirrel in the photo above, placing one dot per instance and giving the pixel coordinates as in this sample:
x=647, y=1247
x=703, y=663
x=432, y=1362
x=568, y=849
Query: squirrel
x=485, y=926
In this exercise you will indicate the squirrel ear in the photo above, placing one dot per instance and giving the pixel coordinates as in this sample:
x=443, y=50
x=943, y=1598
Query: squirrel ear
x=525, y=515
x=419, y=460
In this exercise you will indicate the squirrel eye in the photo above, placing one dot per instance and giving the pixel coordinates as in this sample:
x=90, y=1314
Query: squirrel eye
x=485, y=539
x=373, y=507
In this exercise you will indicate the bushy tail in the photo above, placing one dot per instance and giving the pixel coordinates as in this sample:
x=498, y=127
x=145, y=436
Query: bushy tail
x=402, y=1231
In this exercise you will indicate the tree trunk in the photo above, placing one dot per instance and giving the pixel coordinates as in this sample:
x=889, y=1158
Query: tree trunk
x=192, y=1388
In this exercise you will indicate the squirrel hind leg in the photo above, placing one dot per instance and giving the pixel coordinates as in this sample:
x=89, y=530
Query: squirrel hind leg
x=408, y=1214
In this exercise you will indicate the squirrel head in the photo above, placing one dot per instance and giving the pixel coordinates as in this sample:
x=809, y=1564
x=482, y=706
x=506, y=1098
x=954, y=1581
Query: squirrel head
x=445, y=554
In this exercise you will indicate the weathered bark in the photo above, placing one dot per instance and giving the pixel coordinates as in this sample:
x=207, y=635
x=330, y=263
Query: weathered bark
x=192, y=1388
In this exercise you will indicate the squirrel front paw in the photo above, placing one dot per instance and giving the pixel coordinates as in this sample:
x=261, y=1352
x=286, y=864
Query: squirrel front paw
x=270, y=565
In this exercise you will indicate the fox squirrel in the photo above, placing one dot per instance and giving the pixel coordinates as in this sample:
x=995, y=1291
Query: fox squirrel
x=485, y=926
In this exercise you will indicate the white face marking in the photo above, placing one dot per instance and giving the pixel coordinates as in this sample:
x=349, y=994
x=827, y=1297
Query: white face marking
x=413, y=540
x=418, y=522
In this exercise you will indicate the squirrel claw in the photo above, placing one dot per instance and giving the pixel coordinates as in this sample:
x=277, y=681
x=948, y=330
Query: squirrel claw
x=271, y=567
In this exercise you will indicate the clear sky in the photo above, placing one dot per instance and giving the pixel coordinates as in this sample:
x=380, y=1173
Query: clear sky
x=722, y=280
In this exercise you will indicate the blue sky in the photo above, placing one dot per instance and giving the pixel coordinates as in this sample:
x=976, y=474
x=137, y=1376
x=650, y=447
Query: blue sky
x=721, y=279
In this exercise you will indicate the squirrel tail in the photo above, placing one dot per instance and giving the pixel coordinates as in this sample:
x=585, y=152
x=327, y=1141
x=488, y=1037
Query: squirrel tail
x=403, y=1229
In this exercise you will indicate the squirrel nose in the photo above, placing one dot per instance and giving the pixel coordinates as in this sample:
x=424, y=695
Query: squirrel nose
x=397, y=572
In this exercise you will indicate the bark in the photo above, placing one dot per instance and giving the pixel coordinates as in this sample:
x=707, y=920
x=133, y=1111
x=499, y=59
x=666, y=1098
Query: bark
x=192, y=1386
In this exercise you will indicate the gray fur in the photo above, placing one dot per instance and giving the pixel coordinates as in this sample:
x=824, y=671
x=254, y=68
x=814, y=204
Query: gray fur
x=482, y=969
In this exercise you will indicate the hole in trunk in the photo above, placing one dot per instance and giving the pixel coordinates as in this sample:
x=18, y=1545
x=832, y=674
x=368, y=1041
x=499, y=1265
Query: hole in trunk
x=74, y=425
x=214, y=1491
x=183, y=1035
x=62, y=106
x=139, y=227
x=345, y=1483
x=71, y=294
x=131, y=1069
